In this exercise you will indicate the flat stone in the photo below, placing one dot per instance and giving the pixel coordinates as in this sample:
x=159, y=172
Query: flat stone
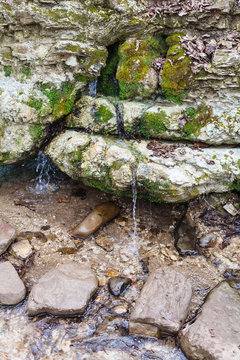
x=65, y=290
x=7, y=235
x=21, y=249
x=98, y=217
x=12, y=289
x=163, y=304
x=215, y=335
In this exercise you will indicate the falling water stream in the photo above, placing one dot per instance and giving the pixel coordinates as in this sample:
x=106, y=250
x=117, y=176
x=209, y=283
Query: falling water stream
x=92, y=88
x=120, y=125
x=134, y=192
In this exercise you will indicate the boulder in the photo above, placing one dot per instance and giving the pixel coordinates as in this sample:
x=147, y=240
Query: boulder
x=163, y=171
x=163, y=304
x=12, y=289
x=7, y=235
x=215, y=333
x=65, y=290
x=98, y=217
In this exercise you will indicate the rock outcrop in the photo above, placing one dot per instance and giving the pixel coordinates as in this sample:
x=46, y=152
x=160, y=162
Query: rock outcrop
x=163, y=171
x=215, y=332
x=65, y=290
x=163, y=304
x=166, y=81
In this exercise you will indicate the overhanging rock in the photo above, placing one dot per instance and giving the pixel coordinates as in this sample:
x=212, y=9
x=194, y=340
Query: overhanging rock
x=164, y=171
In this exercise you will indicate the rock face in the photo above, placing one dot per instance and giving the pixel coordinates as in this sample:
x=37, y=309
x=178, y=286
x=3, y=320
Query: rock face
x=163, y=304
x=12, y=289
x=65, y=290
x=215, y=333
x=98, y=217
x=7, y=235
x=163, y=171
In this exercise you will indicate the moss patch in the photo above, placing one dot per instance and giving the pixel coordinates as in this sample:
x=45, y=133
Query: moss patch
x=177, y=76
x=34, y=103
x=7, y=70
x=102, y=115
x=152, y=124
x=199, y=118
x=61, y=100
x=135, y=60
x=36, y=132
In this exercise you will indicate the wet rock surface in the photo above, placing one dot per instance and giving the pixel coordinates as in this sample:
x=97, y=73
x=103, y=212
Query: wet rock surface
x=65, y=290
x=117, y=285
x=12, y=289
x=21, y=249
x=98, y=217
x=215, y=332
x=7, y=235
x=163, y=304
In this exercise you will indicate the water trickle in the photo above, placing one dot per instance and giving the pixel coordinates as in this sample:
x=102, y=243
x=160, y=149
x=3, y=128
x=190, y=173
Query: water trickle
x=120, y=124
x=46, y=173
x=134, y=192
x=92, y=88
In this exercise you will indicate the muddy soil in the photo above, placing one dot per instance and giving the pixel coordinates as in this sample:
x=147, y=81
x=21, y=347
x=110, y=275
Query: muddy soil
x=46, y=219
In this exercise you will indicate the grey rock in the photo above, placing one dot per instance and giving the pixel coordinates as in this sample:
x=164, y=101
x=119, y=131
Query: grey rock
x=12, y=289
x=216, y=332
x=118, y=284
x=7, y=235
x=163, y=304
x=65, y=290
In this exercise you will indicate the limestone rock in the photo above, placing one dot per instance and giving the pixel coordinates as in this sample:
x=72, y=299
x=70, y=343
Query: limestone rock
x=163, y=171
x=215, y=333
x=12, y=289
x=65, y=290
x=98, y=217
x=21, y=249
x=7, y=235
x=163, y=304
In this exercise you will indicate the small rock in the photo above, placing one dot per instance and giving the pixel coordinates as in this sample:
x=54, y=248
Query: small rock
x=12, y=289
x=118, y=284
x=163, y=304
x=21, y=249
x=7, y=235
x=120, y=309
x=208, y=240
x=215, y=333
x=105, y=242
x=111, y=272
x=64, y=199
x=65, y=290
x=98, y=217
x=230, y=208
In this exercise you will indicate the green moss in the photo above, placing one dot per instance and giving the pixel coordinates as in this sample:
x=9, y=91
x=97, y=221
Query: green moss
x=235, y=185
x=200, y=117
x=190, y=112
x=34, y=103
x=7, y=70
x=61, y=100
x=35, y=131
x=102, y=114
x=26, y=71
x=177, y=76
x=152, y=124
x=107, y=80
x=4, y=157
x=135, y=60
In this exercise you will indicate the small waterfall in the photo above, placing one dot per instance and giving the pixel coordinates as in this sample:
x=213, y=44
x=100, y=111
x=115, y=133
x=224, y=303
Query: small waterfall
x=92, y=88
x=46, y=171
x=134, y=192
x=120, y=124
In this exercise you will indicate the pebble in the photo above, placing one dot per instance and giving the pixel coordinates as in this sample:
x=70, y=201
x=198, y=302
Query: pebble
x=106, y=243
x=117, y=285
x=21, y=249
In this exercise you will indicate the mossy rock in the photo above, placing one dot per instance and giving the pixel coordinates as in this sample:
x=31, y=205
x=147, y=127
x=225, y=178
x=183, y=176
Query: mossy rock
x=153, y=124
x=177, y=75
x=135, y=74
